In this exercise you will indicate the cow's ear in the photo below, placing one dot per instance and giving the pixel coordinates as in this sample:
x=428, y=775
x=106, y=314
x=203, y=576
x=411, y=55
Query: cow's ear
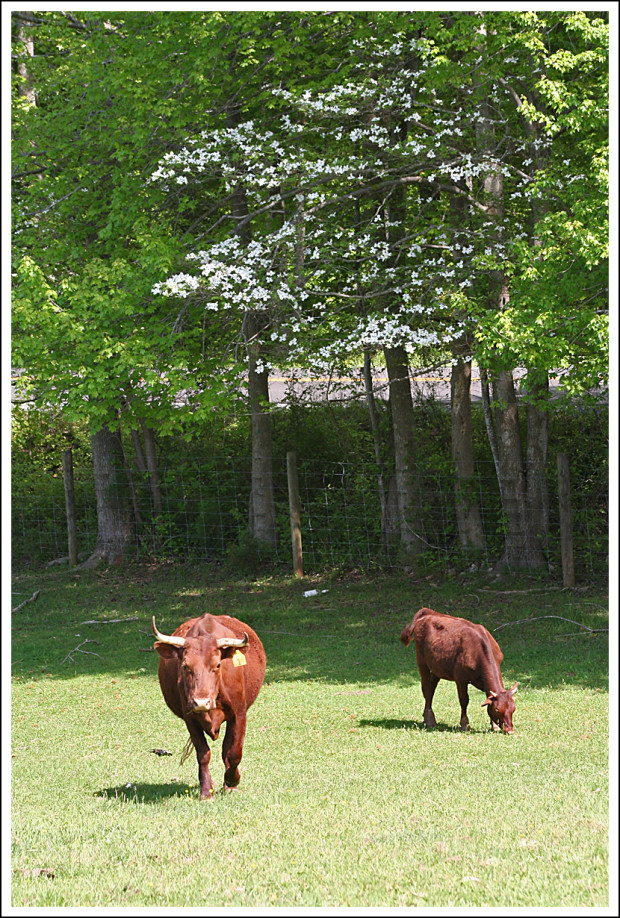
x=513, y=689
x=166, y=651
x=228, y=652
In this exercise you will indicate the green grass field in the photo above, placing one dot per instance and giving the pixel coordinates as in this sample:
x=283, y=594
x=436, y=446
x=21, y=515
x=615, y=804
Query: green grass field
x=345, y=798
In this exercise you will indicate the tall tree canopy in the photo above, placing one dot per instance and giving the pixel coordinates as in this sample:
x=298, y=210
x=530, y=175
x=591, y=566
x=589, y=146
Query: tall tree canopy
x=352, y=133
x=203, y=196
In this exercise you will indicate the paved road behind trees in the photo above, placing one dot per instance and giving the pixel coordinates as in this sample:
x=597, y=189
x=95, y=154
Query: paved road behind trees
x=307, y=388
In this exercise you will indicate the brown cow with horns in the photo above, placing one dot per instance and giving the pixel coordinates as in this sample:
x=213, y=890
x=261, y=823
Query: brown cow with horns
x=211, y=670
x=453, y=648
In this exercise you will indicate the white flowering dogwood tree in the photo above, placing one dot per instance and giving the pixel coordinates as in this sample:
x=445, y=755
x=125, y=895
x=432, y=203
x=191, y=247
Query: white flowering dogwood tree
x=402, y=209
x=319, y=190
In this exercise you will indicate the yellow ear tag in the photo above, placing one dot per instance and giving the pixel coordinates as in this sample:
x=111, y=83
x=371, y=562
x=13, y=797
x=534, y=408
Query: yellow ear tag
x=238, y=658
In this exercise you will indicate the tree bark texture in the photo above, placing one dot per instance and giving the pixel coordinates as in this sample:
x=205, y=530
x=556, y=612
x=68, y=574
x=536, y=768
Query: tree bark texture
x=488, y=422
x=376, y=435
x=115, y=521
x=521, y=547
x=407, y=485
x=67, y=475
x=536, y=457
x=24, y=35
x=151, y=464
x=262, y=517
x=469, y=521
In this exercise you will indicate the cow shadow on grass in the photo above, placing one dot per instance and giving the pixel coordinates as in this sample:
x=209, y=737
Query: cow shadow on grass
x=402, y=723
x=145, y=793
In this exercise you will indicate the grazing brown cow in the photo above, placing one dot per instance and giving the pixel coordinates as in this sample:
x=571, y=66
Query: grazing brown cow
x=453, y=648
x=210, y=671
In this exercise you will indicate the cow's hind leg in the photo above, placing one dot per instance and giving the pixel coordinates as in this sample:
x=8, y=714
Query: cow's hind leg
x=203, y=755
x=232, y=750
x=461, y=688
x=429, y=684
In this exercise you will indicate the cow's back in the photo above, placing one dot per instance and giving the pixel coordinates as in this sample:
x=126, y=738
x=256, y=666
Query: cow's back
x=445, y=641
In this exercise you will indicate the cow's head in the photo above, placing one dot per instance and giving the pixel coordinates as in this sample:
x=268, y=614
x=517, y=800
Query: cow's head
x=199, y=656
x=501, y=706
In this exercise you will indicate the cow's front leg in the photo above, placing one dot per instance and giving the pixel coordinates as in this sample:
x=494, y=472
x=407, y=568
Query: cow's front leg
x=232, y=749
x=203, y=755
x=461, y=688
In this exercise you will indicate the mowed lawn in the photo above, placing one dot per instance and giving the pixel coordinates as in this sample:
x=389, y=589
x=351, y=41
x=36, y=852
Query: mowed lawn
x=346, y=799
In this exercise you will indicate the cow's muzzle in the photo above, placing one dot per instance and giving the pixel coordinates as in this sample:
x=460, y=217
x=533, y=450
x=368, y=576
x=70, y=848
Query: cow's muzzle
x=200, y=706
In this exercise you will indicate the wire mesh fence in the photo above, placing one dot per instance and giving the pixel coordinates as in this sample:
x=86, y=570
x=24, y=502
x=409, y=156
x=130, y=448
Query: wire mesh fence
x=205, y=504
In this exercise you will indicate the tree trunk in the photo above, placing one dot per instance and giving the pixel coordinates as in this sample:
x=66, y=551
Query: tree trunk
x=151, y=465
x=521, y=547
x=115, y=521
x=138, y=452
x=24, y=35
x=262, y=516
x=488, y=421
x=536, y=458
x=411, y=537
x=512, y=473
x=469, y=522
x=376, y=434
x=471, y=533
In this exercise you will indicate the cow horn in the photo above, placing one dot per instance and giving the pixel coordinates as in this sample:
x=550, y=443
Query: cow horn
x=232, y=642
x=168, y=638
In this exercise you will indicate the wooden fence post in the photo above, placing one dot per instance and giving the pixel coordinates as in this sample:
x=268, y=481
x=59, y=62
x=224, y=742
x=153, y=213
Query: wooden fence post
x=294, y=507
x=67, y=477
x=566, y=522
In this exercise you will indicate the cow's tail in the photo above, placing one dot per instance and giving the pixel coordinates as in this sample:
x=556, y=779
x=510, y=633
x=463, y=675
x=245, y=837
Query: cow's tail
x=407, y=635
x=187, y=750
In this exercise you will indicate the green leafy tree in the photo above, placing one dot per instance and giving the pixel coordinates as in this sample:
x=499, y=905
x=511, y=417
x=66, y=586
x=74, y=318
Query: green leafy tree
x=342, y=184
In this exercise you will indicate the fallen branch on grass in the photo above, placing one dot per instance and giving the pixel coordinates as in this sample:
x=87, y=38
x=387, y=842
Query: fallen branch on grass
x=26, y=601
x=522, y=621
x=79, y=650
x=109, y=621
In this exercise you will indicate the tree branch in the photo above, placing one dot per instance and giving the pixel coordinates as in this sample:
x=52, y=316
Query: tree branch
x=538, y=618
x=79, y=650
x=26, y=601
